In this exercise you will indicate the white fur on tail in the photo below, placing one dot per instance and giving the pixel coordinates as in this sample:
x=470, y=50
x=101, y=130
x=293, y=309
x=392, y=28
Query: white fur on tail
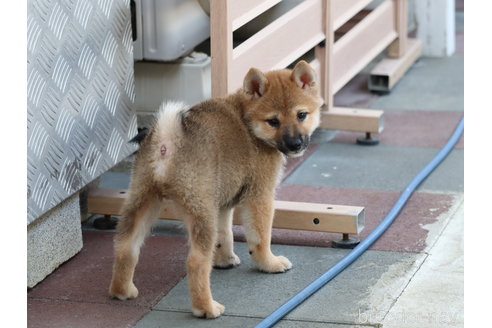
x=168, y=133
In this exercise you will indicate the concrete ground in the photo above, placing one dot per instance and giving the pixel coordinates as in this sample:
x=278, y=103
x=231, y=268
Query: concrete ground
x=411, y=277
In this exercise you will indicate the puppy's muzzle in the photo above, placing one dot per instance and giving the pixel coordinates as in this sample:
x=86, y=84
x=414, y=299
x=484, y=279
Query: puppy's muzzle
x=294, y=146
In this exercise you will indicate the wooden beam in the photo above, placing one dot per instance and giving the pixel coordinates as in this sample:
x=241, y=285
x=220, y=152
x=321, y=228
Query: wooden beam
x=362, y=43
x=352, y=119
x=318, y=217
x=324, y=56
x=221, y=47
x=398, y=48
x=288, y=215
x=390, y=70
x=280, y=43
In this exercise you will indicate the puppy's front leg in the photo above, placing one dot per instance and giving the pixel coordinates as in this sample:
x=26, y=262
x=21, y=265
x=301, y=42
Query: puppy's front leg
x=257, y=218
x=224, y=257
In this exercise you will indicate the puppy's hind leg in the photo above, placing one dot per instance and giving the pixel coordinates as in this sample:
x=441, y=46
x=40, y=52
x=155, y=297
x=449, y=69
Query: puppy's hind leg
x=202, y=234
x=224, y=257
x=139, y=214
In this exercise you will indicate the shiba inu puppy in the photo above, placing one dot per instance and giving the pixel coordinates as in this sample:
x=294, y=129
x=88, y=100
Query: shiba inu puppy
x=209, y=159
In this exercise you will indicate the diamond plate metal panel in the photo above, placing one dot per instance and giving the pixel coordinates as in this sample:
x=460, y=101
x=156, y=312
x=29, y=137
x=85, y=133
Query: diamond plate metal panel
x=80, y=94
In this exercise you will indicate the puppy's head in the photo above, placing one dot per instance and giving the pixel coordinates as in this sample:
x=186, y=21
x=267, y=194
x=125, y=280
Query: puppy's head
x=283, y=107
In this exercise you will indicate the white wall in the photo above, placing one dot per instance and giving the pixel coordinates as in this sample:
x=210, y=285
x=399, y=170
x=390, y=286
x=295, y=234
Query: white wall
x=435, y=22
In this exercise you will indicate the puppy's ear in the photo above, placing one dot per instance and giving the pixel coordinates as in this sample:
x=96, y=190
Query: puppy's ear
x=304, y=75
x=255, y=83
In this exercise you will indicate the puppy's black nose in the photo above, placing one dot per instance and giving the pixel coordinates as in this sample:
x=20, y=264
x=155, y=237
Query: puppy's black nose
x=293, y=144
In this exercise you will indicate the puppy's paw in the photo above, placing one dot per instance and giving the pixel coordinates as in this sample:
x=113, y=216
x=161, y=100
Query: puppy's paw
x=211, y=311
x=226, y=261
x=123, y=293
x=275, y=264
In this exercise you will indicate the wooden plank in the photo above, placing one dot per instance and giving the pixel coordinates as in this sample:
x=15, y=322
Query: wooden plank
x=352, y=119
x=343, y=10
x=288, y=215
x=221, y=47
x=324, y=57
x=399, y=47
x=362, y=43
x=243, y=11
x=279, y=43
x=389, y=70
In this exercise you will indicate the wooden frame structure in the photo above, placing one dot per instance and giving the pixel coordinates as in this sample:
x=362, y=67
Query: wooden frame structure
x=311, y=24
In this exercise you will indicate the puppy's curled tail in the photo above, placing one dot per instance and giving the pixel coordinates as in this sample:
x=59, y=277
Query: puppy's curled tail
x=168, y=113
x=166, y=135
x=168, y=124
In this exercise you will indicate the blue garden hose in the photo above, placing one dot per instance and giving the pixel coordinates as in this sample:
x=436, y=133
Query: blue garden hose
x=300, y=297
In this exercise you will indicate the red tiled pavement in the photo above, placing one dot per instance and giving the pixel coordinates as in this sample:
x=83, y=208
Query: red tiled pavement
x=66, y=314
x=405, y=235
x=460, y=6
x=83, y=281
x=414, y=128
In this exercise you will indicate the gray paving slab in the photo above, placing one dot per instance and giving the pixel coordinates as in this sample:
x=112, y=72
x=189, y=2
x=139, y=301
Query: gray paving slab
x=380, y=167
x=430, y=84
x=246, y=292
x=164, y=319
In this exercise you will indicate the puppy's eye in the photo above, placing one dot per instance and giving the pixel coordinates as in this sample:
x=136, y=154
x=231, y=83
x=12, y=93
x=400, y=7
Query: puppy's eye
x=301, y=116
x=273, y=122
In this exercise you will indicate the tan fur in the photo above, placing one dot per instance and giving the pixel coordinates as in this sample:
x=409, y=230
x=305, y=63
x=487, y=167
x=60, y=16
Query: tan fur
x=218, y=155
